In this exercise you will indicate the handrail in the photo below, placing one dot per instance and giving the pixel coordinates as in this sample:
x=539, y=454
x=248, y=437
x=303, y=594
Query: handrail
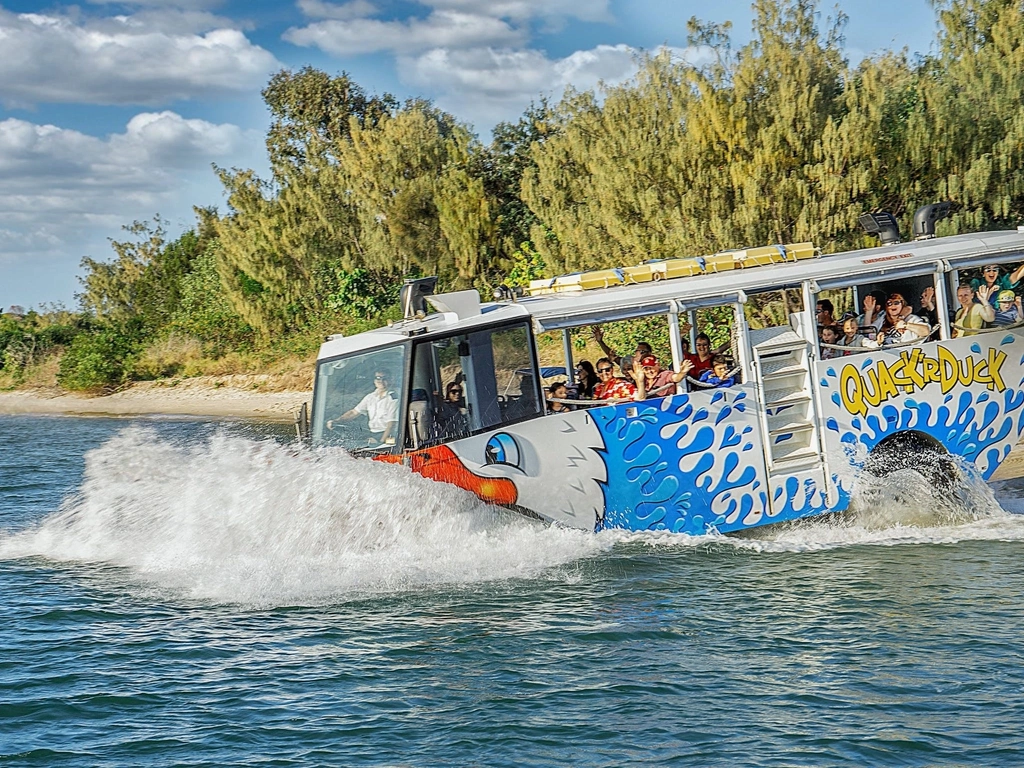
x=706, y=385
x=862, y=349
x=990, y=329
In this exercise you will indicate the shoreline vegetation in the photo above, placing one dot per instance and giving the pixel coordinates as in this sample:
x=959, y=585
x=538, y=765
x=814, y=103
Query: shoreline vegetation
x=781, y=140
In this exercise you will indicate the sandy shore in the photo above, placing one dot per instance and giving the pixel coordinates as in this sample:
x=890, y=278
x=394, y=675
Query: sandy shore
x=185, y=398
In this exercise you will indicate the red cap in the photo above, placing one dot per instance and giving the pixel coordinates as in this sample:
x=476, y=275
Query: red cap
x=648, y=360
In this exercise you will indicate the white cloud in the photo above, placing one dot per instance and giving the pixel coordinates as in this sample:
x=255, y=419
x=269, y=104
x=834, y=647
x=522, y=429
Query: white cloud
x=44, y=167
x=318, y=9
x=63, y=192
x=187, y=4
x=150, y=58
x=442, y=29
x=521, y=10
x=484, y=85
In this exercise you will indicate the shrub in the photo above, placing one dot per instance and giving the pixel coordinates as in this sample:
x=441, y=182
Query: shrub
x=99, y=359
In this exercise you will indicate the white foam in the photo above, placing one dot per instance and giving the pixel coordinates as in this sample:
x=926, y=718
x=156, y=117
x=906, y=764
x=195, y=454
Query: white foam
x=903, y=508
x=237, y=520
x=232, y=519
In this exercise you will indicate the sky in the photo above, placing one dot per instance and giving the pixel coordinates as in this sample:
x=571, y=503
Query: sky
x=116, y=112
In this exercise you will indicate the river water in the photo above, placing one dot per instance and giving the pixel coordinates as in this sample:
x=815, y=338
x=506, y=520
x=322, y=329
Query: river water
x=182, y=593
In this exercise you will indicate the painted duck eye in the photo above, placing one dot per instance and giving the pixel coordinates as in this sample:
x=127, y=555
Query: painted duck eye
x=502, y=448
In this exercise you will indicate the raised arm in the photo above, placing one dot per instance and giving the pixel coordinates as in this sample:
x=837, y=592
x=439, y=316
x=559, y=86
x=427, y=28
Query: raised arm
x=1016, y=275
x=684, y=368
x=985, y=309
x=599, y=338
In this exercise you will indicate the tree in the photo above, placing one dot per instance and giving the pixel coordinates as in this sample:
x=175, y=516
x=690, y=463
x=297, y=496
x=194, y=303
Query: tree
x=360, y=184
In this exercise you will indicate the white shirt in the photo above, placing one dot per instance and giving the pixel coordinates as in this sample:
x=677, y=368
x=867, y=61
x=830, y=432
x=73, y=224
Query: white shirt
x=381, y=409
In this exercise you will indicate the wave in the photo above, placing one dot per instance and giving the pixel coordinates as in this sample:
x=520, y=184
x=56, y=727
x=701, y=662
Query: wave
x=232, y=519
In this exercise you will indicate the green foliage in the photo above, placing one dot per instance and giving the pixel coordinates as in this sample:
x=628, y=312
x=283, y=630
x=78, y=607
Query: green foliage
x=359, y=183
x=143, y=282
x=623, y=336
x=203, y=311
x=501, y=167
x=717, y=323
x=363, y=293
x=311, y=111
x=101, y=358
x=527, y=265
x=30, y=340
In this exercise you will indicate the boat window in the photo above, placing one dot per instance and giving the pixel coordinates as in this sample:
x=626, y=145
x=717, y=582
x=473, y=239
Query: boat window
x=771, y=309
x=866, y=303
x=357, y=399
x=986, y=297
x=466, y=383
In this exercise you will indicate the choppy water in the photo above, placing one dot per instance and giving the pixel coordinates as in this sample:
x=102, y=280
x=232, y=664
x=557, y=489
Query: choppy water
x=179, y=593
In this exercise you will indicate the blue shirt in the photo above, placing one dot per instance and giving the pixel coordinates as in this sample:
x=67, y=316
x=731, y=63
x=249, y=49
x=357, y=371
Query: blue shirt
x=708, y=377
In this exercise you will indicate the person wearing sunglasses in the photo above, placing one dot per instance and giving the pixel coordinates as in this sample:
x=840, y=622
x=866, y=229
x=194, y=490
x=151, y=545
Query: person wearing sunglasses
x=625, y=362
x=898, y=327
x=452, y=416
x=993, y=279
x=380, y=408
x=609, y=387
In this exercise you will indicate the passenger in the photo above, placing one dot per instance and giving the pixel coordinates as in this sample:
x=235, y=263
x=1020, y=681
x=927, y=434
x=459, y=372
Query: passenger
x=871, y=319
x=703, y=360
x=1008, y=309
x=452, y=415
x=659, y=382
x=586, y=380
x=851, y=333
x=824, y=314
x=991, y=278
x=624, y=362
x=557, y=392
x=972, y=315
x=610, y=387
x=526, y=404
x=718, y=376
x=927, y=310
x=899, y=327
x=381, y=409
x=829, y=340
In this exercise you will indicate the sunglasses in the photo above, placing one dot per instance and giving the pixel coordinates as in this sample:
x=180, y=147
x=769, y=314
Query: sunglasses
x=604, y=370
x=380, y=378
x=894, y=304
x=991, y=269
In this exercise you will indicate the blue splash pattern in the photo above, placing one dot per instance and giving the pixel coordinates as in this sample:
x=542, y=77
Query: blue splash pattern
x=689, y=463
x=980, y=425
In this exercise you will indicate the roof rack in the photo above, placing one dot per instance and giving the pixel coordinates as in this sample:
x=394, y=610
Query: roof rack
x=669, y=269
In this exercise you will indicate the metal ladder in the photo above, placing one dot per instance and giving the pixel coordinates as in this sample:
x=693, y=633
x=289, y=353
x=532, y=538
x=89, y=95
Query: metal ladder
x=789, y=416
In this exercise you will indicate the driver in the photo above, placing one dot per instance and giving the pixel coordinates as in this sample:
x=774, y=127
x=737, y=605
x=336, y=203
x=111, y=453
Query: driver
x=380, y=407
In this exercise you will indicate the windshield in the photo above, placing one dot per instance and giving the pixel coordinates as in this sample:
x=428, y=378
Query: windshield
x=357, y=399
